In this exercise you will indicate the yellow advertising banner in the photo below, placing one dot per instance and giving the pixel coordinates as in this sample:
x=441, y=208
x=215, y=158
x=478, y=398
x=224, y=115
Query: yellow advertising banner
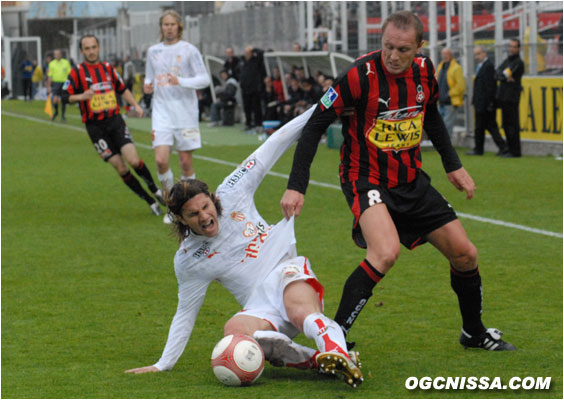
x=540, y=109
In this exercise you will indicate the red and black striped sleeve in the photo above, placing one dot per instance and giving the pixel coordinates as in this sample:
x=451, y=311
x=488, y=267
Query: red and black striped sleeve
x=72, y=85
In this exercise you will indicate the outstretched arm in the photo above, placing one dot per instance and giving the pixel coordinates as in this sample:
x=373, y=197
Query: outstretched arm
x=190, y=299
x=246, y=178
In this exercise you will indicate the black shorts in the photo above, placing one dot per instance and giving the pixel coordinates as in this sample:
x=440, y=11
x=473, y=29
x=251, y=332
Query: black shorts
x=417, y=209
x=109, y=136
x=57, y=88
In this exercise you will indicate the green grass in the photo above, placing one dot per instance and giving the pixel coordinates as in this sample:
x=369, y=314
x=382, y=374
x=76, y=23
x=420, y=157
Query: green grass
x=88, y=287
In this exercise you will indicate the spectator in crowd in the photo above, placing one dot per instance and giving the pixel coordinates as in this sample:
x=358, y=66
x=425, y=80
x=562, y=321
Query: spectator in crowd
x=320, y=78
x=327, y=83
x=232, y=64
x=295, y=94
x=509, y=75
x=451, y=88
x=483, y=100
x=312, y=94
x=252, y=83
x=296, y=47
x=57, y=74
x=36, y=79
x=226, y=100
x=277, y=84
x=27, y=74
x=271, y=101
x=174, y=72
x=128, y=70
x=300, y=73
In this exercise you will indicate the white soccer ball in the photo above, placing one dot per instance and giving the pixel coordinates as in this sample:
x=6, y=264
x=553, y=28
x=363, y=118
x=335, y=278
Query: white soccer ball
x=237, y=360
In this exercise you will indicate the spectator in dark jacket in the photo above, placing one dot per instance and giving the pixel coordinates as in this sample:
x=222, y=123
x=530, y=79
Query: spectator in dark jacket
x=232, y=63
x=483, y=100
x=509, y=75
x=312, y=94
x=271, y=101
x=226, y=99
x=251, y=81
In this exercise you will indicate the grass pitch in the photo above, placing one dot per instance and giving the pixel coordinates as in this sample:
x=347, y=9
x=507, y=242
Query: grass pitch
x=88, y=287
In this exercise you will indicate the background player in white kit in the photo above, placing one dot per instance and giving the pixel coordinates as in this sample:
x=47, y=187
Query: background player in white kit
x=224, y=238
x=174, y=71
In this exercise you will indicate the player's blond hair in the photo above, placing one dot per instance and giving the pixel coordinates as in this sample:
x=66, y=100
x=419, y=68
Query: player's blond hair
x=178, y=21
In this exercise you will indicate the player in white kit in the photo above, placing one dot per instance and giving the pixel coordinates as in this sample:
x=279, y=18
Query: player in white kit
x=174, y=71
x=224, y=238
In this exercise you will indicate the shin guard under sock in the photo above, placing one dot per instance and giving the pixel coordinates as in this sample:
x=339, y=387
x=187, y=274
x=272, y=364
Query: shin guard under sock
x=357, y=291
x=327, y=334
x=468, y=287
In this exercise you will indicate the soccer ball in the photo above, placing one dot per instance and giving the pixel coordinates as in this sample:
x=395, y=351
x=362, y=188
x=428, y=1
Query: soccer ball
x=237, y=360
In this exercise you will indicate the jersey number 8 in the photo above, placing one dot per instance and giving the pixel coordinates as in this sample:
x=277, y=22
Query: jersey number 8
x=374, y=197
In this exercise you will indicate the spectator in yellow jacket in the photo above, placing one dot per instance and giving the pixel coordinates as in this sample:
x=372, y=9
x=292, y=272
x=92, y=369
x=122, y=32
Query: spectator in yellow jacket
x=36, y=78
x=452, y=86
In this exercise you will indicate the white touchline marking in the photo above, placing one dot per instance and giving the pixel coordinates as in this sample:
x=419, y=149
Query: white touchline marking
x=311, y=182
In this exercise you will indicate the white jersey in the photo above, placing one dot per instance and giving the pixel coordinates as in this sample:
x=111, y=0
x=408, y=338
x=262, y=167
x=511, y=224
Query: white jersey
x=246, y=248
x=175, y=107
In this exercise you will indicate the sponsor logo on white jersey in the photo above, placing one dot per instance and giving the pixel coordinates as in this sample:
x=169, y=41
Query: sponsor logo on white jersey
x=204, y=250
x=237, y=175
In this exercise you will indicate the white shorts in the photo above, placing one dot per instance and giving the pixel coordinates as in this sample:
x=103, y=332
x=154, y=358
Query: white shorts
x=267, y=300
x=186, y=139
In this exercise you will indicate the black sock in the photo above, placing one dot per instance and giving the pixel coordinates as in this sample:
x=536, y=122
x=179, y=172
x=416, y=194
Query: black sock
x=468, y=287
x=63, y=108
x=145, y=174
x=134, y=185
x=357, y=291
x=56, y=106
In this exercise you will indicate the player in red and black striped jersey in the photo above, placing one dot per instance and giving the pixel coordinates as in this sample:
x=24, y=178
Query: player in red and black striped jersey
x=386, y=100
x=94, y=85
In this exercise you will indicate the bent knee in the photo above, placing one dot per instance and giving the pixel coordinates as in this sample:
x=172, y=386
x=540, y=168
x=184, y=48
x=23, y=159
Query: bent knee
x=162, y=163
x=383, y=258
x=466, y=258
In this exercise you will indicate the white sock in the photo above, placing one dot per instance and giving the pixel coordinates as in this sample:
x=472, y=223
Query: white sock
x=166, y=179
x=184, y=177
x=327, y=334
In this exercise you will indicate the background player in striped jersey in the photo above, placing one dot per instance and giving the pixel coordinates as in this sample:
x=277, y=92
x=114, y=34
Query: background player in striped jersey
x=393, y=93
x=225, y=239
x=94, y=84
x=174, y=71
